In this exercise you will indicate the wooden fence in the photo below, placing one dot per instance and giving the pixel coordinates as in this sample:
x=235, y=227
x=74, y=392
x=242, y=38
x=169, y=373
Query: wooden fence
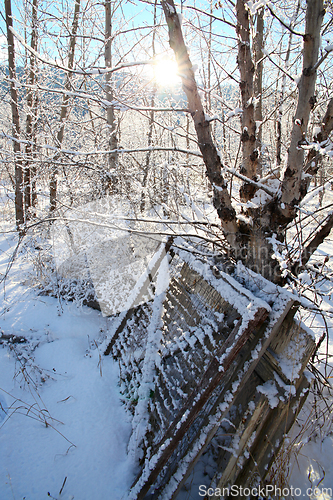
x=207, y=344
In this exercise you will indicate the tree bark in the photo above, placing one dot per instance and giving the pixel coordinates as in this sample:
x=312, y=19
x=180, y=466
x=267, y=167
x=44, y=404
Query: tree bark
x=211, y=158
x=31, y=120
x=283, y=89
x=257, y=84
x=291, y=182
x=150, y=124
x=246, y=70
x=19, y=208
x=65, y=103
x=110, y=112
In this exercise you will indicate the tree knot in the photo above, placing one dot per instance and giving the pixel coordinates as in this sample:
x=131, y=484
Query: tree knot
x=308, y=71
x=307, y=37
x=254, y=155
x=245, y=135
x=312, y=101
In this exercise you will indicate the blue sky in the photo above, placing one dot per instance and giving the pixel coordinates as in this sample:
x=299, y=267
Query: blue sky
x=136, y=13
x=131, y=14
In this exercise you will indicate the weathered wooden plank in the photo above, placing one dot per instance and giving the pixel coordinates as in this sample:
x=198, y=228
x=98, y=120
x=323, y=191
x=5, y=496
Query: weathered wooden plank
x=277, y=424
x=210, y=380
x=251, y=425
x=251, y=345
x=280, y=341
x=141, y=289
x=272, y=423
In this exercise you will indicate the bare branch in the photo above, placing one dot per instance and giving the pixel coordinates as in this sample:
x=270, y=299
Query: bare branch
x=285, y=25
x=317, y=239
x=211, y=15
x=322, y=135
x=222, y=200
x=322, y=59
x=83, y=71
x=247, y=180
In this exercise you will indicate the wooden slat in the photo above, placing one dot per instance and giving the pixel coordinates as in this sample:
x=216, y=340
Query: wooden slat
x=254, y=337
x=271, y=423
x=210, y=380
x=141, y=290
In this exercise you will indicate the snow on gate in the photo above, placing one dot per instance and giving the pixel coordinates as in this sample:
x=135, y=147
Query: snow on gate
x=207, y=349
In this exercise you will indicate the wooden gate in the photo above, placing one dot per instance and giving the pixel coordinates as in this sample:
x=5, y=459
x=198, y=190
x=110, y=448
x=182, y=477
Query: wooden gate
x=206, y=343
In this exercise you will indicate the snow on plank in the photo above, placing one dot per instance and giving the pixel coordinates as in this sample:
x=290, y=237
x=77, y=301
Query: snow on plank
x=188, y=355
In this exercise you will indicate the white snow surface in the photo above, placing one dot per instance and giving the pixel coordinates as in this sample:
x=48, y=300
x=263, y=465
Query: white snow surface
x=141, y=416
x=78, y=396
x=245, y=302
x=270, y=391
x=64, y=384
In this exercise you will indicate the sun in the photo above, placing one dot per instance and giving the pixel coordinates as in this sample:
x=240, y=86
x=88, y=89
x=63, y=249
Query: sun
x=166, y=72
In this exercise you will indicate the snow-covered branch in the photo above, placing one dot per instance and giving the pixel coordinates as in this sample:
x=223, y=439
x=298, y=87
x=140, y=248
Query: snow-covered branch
x=81, y=71
x=319, y=236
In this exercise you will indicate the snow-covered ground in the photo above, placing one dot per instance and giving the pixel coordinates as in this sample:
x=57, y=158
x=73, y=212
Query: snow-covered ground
x=312, y=463
x=63, y=429
x=60, y=415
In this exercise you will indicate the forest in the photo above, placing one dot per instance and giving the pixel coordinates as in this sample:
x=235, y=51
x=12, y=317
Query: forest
x=127, y=123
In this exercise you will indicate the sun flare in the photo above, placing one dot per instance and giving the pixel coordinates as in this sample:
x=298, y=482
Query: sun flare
x=165, y=71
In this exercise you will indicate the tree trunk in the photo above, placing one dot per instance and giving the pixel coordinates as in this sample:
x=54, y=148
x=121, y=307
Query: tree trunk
x=258, y=71
x=291, y=182
x=112, y=180
x=31, y=120
x=150, y=124
x=283, y=89
x=65, y=103
x=19, y=208
x=209, y=62
x=211, y=158
x=246, y=70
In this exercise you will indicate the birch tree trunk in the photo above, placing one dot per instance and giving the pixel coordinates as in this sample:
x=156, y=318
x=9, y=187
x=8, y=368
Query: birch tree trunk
x=111, y=182
x=246, y=70
x=291, y=182
x=257, y=84
x=283, y=90
x=19, y=208
x=65, y=103
x=211, y=158
x=31, y=120
x=150, y=124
